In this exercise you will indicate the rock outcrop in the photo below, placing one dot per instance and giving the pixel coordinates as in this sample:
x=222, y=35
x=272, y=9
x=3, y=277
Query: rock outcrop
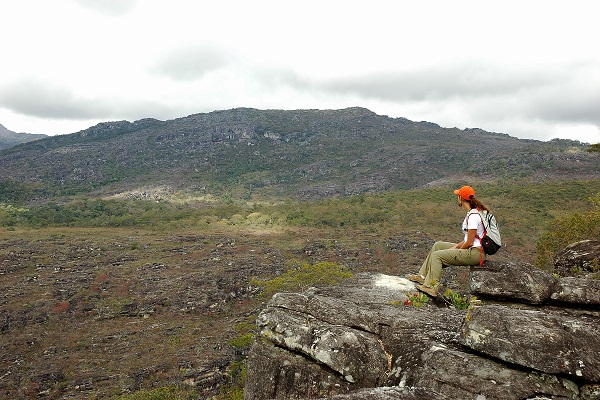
x=526, y=335
x=580, y=258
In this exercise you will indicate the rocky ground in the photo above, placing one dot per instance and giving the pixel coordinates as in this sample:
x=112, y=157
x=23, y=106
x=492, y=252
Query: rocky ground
x=93, y=313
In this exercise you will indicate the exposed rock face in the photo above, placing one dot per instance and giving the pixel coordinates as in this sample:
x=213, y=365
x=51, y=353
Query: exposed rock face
x=460, y=375
x=391, y=393
x=528, y=284
x=547, y=340
x=579, y=259
x=529, y=335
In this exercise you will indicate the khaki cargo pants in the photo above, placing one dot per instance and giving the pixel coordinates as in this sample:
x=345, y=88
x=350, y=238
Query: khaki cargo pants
x=441, y=254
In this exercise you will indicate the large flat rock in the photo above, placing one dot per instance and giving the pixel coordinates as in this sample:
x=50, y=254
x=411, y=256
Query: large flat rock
x=549, y=340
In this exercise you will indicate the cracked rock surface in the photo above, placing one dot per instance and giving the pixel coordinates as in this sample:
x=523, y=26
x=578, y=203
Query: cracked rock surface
x=535, y=337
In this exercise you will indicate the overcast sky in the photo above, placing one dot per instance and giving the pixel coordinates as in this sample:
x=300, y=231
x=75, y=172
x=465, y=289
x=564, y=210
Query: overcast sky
x=529, y=68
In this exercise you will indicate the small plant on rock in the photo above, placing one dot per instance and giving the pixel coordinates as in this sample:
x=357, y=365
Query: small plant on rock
x=456, y=299
x=417, y=299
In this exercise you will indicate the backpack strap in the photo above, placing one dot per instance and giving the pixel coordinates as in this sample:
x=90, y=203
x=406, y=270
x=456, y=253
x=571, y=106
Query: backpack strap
x=482, y=223
x=480, y=238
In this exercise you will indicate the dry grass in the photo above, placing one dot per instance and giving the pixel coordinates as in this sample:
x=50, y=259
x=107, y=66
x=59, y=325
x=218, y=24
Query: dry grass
x=91, y=313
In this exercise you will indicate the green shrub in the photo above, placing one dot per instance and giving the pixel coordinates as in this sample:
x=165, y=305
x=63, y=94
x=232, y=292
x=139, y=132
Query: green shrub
x=231, y=393
x=456, y=299
x=301, y=277
x=566, y=230
x=242, y=341
x=11, y=215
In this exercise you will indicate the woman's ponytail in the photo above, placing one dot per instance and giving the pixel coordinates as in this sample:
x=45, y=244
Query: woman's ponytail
x=475, y=203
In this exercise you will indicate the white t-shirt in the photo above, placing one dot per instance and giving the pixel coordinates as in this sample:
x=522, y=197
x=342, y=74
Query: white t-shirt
x=473, y=221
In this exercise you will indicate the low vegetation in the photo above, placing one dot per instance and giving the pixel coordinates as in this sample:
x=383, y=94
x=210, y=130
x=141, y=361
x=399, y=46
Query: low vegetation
x=566, y=230
x=456, y=299
x=300, y=277
x=132, y=299
x=162, y=393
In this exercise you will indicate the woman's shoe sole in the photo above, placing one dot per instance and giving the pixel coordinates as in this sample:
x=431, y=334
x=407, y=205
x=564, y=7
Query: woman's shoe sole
x=427, y=290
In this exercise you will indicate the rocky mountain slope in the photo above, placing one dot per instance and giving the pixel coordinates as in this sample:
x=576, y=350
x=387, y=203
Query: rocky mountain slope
x=302, y=154
x=9, y=138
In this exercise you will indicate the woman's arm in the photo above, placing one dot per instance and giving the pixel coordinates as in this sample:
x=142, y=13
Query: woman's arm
x=471, y=234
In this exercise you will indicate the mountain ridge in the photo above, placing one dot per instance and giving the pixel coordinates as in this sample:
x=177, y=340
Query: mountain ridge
x=10, y=138
x=297, y=153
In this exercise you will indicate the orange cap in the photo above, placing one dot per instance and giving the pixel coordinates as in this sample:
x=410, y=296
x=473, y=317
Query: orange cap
x=465, y=192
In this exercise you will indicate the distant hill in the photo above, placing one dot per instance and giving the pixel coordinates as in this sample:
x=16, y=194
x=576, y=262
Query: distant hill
x=301, y=154
x=10, y=138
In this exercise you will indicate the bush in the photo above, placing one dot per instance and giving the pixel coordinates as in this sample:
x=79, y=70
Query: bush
x=567, y=230
x=456, y=299
x=11, y=215
x=303, y=276
x=243, y=341
x=417, y=299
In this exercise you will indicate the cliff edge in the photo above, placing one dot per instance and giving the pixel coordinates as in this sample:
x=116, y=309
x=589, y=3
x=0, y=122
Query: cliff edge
x=525, y=335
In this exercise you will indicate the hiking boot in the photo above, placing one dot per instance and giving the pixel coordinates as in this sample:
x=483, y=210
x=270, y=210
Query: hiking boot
x=416, y=278
x=428, y=290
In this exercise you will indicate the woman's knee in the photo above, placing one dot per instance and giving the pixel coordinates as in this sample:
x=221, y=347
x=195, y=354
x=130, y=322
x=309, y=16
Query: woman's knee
x=438, y=245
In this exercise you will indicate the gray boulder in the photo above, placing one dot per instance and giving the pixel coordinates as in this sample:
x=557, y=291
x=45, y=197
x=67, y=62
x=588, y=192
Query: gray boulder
x=512, y=281
x=578, y=259
x=355, y=354
x=341, y=344
x=578, y=291
x=462, y=375
x=528, y=284
x=391, y=393
x=278, y=373
x=547, y=340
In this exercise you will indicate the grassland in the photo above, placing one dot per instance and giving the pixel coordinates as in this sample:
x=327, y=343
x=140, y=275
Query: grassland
x=135, y=300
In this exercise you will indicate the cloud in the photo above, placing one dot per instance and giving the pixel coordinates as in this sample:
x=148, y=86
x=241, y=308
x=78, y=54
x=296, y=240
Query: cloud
x=46, y=100
x=477, y=91
x=108, y=7
x=191, y=61
x=576, y=98
x=460, y=66
x=442, y=82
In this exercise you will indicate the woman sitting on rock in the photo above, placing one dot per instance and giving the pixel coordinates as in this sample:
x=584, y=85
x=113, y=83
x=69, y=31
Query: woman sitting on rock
x=467, y=252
